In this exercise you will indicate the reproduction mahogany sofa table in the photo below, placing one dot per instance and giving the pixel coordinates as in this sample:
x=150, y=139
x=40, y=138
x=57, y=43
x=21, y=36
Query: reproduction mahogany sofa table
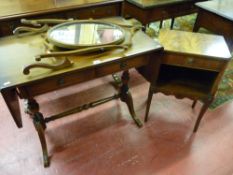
x=216, y=16
x=14, y=84
x=191, y=66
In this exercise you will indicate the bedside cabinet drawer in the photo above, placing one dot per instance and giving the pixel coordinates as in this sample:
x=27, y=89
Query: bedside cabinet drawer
x=193, y=62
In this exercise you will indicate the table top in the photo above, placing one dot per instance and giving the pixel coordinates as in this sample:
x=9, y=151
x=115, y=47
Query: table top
x=223, y=8
x=15, y=53
x=212, y=46
x=10, y=9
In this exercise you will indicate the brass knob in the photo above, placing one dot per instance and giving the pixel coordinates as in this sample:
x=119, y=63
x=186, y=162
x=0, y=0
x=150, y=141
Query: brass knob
x=190, y=60
x=123, y=65
x=61, y=81
x=164, y=13
x=93, y=11
x=109, y=12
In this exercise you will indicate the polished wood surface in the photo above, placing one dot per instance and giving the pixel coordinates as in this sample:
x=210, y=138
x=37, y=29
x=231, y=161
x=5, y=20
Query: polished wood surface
x=11, y=12
x=198, y=44
x=22, y=8
x=219, y=7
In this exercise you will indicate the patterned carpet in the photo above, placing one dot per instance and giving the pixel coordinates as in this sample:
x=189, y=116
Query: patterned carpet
x=225, y=90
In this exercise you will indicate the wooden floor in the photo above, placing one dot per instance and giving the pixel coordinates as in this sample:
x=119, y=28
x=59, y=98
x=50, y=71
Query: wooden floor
x=105, y=141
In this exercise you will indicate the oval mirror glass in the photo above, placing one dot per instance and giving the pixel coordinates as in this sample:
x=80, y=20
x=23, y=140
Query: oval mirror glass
x=73, y=35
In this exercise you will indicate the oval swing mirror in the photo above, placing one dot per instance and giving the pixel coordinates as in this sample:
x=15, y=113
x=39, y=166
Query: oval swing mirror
x=89, y=33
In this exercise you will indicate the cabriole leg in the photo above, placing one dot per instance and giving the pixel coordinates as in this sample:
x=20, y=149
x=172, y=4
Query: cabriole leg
x=126, y=97
x=32, y=108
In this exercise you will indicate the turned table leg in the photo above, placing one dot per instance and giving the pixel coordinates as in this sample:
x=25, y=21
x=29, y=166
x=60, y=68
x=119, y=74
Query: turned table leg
x=126, y=97
x=32, y=108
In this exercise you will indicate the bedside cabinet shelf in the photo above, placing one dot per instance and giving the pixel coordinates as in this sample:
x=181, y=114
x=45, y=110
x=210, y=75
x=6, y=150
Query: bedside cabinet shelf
x=181, y=80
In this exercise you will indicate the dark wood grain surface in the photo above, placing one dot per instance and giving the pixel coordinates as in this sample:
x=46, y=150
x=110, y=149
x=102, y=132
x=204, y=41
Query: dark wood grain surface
x=29, y=7
x=199, y=44
x=11, y=12
x=219, y=7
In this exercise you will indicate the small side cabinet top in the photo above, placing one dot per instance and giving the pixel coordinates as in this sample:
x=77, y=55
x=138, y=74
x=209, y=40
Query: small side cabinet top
x=199, y=44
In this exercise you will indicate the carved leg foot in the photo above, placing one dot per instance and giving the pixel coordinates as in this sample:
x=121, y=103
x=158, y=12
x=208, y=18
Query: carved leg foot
x=194, y=103
x=126, y=97
x=32, y=108
x=40, y=130
x=150, y=95
x=202, y=112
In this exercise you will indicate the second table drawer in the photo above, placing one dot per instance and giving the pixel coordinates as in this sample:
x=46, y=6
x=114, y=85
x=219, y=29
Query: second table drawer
x=121, y=66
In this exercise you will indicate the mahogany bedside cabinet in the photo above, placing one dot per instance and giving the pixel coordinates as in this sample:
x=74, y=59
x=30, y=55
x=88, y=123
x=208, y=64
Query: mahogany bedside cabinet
x=191, y=66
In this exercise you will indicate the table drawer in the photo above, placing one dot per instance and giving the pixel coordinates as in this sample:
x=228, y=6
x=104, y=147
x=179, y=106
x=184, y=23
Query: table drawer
x=55, y=83
x=122, y=65
x=62, y=81
x=193, y=62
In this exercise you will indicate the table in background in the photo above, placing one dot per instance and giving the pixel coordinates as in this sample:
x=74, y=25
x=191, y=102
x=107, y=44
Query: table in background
x=216, y=16
x=12, y=11
x=150, y=11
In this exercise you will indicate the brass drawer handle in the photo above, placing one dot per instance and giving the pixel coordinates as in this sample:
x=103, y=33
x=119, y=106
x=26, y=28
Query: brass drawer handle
x=61, y=81
x=109, y=12
x=164, y=12
x=93, y=11
x=190, y=60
